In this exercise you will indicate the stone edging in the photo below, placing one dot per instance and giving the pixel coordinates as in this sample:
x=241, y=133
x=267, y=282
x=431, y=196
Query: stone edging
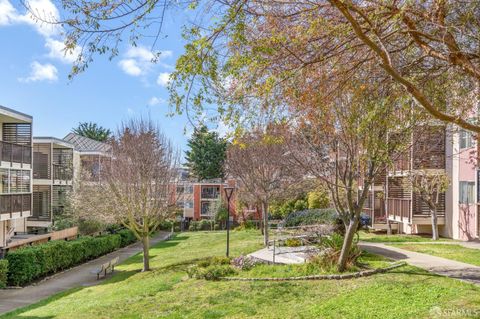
x=365, y=273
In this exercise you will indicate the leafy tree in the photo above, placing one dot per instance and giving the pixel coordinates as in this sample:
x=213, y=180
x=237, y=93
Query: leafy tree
x=318, y=199
x=93, y=131
x=207, y=154
x=429, y=185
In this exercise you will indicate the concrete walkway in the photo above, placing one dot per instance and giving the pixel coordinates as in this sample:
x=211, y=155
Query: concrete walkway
x=283, y=255
x=437, y=265
x=11, y=299
x=467, y=244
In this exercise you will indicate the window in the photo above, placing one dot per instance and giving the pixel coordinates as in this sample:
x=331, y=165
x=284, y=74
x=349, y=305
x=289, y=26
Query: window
x=188, y=189
x=206, y=211
x=188, y=204
x=467, y=192
x=210, y=192
x=466, y=140
x=4, y=181
x=19, y=181
x=180, y=190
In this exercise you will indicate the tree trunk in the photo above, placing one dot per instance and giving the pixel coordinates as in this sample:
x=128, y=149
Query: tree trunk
x=265, y=223
x=146, y=253
x=433, y=212
x=347, y=244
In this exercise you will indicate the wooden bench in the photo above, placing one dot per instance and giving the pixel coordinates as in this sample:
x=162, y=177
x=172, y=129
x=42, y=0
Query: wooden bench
x=105, y=268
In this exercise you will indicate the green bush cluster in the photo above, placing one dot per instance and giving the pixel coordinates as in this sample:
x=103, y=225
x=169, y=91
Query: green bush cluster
x=293, y=242
x=3, y=273
x=312, y=217
x=30, y=263
x=211, y=268
x=203, y=224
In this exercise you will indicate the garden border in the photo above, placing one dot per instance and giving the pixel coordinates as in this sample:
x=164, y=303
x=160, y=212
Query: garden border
x=365, y=273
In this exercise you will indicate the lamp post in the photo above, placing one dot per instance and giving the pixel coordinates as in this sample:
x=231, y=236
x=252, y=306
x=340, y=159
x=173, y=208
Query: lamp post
x=228, y=194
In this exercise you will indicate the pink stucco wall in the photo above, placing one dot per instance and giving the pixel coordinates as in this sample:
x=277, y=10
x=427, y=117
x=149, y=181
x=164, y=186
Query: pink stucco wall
x=467, y=214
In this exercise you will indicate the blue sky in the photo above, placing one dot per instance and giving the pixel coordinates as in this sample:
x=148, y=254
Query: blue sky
x=33, y=77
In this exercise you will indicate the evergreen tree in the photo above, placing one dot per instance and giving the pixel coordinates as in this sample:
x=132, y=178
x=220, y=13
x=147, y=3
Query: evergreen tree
x=207, y=154
x=93, y=131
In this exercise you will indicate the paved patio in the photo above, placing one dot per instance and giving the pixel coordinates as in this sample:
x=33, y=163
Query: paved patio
x=80, y=276
x=437, y=265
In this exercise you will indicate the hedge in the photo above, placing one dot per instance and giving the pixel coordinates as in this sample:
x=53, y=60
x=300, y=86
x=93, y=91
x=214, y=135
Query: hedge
x=312, y=217
x=30, y=263
x=3, y=272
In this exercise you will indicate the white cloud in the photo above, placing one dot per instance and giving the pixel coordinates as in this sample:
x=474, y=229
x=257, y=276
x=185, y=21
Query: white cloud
x=155, y=101
x=41, y=72
x=163, y=79
x=131, y=67
x=8, y=14
x=139, y=60
x=57, y=51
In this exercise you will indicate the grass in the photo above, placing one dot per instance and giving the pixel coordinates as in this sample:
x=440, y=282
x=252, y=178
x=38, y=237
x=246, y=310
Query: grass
x=167, y=292
x=449, y=251
x=382, y=237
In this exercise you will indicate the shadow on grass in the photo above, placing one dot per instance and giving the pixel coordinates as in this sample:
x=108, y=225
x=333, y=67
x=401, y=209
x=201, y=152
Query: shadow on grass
x=118, y=276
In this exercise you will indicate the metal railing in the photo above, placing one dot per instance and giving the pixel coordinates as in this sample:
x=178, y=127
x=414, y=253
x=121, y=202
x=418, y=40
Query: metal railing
x=15, y=153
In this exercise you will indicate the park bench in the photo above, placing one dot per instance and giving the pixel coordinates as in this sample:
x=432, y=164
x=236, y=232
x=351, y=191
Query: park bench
x=105, y=268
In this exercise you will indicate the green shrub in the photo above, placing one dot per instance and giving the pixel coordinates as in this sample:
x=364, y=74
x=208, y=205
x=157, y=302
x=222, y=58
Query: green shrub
x=216, y=227
x=215, y=272
x=217, y=260
x=330, y=249
x=293, y=242
x=3, y=273
x=194, y=226
x=127, y=237
x=311, y=217
x=30, y=263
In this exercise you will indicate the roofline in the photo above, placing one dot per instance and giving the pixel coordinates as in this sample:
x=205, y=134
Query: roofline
x=51, y=139
x=17, y=113
x=106, y=153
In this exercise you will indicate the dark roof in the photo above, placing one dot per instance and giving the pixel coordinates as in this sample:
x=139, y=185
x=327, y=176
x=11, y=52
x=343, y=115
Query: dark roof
x=85, y=144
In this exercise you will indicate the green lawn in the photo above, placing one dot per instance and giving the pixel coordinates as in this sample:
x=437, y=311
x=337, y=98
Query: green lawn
x=382, y=237
x=449, y=251
x=167, y=292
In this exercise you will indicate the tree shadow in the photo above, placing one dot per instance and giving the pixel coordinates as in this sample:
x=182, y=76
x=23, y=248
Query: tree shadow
x=384, y=252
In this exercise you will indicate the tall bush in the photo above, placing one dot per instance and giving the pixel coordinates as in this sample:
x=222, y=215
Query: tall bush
x=3, y=273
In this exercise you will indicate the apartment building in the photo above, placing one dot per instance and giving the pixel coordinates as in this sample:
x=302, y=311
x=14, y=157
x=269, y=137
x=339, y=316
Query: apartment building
x=53, y=168
x=435, y=148
x=199, y=199
x=16, y=173
x=89, y=155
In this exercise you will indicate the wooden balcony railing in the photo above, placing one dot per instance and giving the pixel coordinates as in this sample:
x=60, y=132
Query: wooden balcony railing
x=399, y=208
x=15, y=203
x=15, y=153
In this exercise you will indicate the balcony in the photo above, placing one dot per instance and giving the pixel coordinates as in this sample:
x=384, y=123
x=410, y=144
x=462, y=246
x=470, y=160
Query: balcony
x=62, y=173
x=12, y=204
x=401, y=210
x=15, y=153
x=210, y=192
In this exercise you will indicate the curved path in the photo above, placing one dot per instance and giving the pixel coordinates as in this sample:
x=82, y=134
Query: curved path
x=80, y=276
x=437, y=265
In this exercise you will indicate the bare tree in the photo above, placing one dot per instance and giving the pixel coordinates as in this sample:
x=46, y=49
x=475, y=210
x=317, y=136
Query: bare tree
x=256, y=160
x=430, y=185
x=138, y=184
